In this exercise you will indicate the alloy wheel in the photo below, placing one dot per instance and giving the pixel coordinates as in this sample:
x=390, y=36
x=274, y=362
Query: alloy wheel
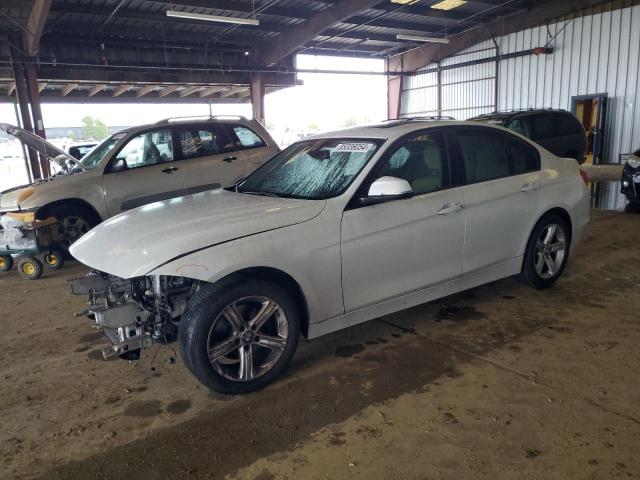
x=74, y=227
x=247, y=338
x=550, y=251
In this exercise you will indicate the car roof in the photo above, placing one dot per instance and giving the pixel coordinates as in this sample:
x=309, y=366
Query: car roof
x=396, y=128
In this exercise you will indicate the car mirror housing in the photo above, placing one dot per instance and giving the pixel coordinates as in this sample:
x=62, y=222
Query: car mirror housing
x=385, y=189
x=119, y=165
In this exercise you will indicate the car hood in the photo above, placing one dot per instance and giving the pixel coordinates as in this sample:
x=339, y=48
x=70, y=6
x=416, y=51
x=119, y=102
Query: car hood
x=39, y=144
x=138, y=241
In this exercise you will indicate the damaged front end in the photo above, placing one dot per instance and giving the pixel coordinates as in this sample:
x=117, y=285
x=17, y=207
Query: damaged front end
x=134, y=313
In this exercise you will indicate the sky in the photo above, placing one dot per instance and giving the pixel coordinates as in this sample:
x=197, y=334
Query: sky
x=324, y=101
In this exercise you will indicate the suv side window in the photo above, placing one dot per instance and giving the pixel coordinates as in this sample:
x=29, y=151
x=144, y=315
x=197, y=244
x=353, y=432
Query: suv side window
x=422, y=161
x=244, y=137
x=569, y=125
x=544, y=126
x=148, y=148
x=483, y=154
x=200, y=141
x=518, y=125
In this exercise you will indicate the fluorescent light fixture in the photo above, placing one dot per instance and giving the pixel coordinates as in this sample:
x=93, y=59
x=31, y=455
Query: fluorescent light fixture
x=404, y=2
x=416, y=38
x=448, y=4
x=212, y=18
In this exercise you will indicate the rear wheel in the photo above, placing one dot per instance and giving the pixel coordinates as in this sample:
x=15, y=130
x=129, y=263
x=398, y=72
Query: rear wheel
x=6, y=262
x=547, y=252
x=238, y=337
x=54, y=259
x=30, y=268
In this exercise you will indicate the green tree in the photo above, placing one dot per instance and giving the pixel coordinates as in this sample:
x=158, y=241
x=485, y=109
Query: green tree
x=94, y=128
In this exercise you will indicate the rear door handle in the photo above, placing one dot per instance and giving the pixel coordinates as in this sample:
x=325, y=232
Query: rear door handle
x=229, y=159
x=450, y=208
x=170, y=170
x=529, y=187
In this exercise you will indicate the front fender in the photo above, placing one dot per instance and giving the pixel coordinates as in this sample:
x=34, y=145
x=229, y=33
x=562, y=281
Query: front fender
x=309, y=253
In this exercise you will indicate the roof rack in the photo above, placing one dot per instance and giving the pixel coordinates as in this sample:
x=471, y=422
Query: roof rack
x=523, y=110
x=432, y=117
x=201, y=118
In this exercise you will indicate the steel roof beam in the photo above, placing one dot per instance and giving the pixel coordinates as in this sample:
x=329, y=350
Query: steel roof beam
x=120, y=90
x=97, y=89
x=68, y=89
x=285, y=44
x=35, y=25
x=543, y=12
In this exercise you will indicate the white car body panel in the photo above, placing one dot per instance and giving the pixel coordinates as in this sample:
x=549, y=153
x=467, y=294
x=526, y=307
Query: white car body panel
x=352, y=265
x=187, y=224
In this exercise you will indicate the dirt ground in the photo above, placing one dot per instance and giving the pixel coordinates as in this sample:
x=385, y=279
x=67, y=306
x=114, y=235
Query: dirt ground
x=498, y=382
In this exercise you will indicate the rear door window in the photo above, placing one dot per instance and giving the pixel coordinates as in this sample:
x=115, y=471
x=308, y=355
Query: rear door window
x=524, y=157
x=484, y=155
x=200, y=141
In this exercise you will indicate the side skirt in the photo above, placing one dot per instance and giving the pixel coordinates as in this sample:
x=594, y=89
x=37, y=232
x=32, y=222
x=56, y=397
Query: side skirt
x=475, y=279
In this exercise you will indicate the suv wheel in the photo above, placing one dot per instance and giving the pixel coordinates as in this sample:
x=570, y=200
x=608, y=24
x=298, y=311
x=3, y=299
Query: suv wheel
x=238, y=337
x=74, y=222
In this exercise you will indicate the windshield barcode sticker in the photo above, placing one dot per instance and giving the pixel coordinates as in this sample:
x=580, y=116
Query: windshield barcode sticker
x=353, y=147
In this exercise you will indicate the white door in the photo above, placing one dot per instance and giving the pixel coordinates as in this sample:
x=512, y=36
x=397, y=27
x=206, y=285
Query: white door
x=144, y=171
x=502, y=195
x=404, y=245
x=209, y=156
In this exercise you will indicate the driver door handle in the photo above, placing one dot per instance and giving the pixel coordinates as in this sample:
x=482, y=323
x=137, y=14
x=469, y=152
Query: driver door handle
x=229, y=159
x=170, y=170
x=529, y=187
x=448, y=208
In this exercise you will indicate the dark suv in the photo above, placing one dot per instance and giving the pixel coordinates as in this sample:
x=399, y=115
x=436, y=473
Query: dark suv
x=558, y=131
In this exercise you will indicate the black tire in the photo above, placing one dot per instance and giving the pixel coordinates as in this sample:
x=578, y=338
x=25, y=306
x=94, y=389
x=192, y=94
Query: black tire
x=207, y=305
x=54, y=259
x=530, y=273
x=6, y=263
x=30, y=268
x=75, y=221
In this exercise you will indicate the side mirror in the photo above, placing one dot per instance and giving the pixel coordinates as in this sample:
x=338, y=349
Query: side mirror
x=119, y=165
x=385, y=189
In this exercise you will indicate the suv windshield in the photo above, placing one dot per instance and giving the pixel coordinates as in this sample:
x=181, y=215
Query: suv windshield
x=312, y=169
x=95, y=156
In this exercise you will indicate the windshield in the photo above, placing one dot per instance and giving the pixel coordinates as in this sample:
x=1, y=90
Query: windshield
x=95, y=156
x=312, y=169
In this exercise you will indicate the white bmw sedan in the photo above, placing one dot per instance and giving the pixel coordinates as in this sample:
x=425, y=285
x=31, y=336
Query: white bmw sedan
x=333, y=231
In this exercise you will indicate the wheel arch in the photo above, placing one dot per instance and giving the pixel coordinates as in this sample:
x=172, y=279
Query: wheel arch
x=284, y=280
x=70, y=202
x=562, y=212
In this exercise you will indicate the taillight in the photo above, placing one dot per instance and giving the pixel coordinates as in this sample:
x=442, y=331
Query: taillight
x=585, y=176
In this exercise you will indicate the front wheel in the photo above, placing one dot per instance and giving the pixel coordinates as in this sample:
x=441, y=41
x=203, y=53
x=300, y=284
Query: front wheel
x=30, y=268
x=547, y=252
x=75, y=221
x=238, y=337
x=6, y=262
